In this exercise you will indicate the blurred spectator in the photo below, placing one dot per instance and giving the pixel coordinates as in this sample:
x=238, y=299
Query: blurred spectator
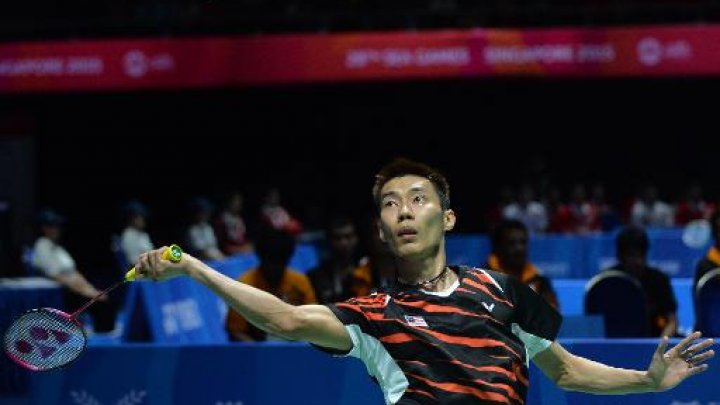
x=340, y=275
x=712, y=258
x=560, y=217
x=649, y=211
x=607, y=217
x=528, y=211
x=201, y=239
x=632, y=245
x=509, y=247
x=276, y=216
x=230, y=228
x=584, y=213
x=380, y=262
x=505, y=198
x=134, y=240
x=274, y=249
x=693, y=206
x=54, y=262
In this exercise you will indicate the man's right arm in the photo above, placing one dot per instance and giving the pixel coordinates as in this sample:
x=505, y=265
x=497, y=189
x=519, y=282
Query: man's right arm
x=312, y=323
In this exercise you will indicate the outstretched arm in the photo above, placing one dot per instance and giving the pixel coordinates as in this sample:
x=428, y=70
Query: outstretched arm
x=313, y=323
x=666, y=370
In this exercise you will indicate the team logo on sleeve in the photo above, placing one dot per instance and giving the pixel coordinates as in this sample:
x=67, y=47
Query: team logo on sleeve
x=415, y=321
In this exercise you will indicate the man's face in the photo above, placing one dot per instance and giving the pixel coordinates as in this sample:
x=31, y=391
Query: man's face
x=138, y=221
x=513, y=250
x=344, y=240
x=634, y=261
x=412, y=220
x=51, y=232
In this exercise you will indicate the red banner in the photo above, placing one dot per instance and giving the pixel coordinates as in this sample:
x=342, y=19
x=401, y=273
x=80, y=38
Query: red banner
x=241, y=61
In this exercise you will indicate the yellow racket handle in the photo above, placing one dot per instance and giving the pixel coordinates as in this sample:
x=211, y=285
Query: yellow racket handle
x=173, y=253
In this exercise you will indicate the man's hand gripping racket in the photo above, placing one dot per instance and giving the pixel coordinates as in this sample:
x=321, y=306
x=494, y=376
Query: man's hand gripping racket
x=47, y=338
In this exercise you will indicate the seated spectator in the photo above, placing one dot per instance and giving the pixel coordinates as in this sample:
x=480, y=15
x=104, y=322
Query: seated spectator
x=134, y=240
x=528, y=211
x=712, y=258
x=632, y=245
x=495, y=214
x=340, y=276
x=649, y=211
x=230, y=228
x=607, y=217
x=201, y=239
x=54, y=262
x=584, y=213
x=560, y=217
x=509, y=246
x=276, y=216
x=693, y=207
x=274, y=249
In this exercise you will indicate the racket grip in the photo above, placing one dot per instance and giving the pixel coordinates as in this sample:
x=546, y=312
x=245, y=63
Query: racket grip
x=172, y=253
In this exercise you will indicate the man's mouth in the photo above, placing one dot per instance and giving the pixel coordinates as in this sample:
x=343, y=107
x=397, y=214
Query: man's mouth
x=407, y=233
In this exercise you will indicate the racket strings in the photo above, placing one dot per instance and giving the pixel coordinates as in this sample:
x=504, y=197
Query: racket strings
x=44, y=339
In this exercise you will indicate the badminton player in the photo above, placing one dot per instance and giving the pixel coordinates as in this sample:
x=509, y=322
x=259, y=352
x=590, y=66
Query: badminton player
x=443, y=334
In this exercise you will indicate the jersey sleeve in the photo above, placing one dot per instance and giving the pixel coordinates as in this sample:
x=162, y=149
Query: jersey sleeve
x=535, y=322
x=358, y=316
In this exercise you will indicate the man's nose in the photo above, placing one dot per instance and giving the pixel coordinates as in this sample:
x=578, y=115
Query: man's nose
x=405, y=212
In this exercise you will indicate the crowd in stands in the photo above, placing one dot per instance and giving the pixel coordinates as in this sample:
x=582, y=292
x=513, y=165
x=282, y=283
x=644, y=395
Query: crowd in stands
x=351, y=268
x=586, y=212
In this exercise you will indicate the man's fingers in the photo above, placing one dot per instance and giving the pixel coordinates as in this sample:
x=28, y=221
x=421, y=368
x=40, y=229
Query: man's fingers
x=680, y=347
x=662, y=346
x=154, y=259
x=146, y=266
x=699, y=347
x=698, y=369
x=702, y=357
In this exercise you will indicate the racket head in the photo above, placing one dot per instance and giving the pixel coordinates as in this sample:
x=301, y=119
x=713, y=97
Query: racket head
x=44, y=339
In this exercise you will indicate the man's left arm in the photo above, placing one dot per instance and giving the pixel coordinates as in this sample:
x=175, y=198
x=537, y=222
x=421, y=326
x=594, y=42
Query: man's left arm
x=667, y=369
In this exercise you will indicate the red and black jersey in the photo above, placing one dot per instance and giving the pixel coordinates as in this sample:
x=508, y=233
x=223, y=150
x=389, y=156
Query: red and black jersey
x=470, y=345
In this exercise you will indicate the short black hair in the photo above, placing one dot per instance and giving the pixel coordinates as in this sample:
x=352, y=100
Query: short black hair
x=405, y=167
x=632, y=238
x=501, y=228
x=273, y=244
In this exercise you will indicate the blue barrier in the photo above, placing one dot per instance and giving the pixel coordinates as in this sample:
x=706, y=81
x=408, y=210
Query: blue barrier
x=288, y=373
x=583, y=256
x=571, y=296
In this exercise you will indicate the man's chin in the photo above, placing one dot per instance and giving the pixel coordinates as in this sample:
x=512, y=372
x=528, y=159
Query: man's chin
x=410, y=251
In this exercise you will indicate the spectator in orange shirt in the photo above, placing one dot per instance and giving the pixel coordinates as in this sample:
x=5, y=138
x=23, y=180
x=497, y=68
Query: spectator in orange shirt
x=274, y=248
x=510, y=256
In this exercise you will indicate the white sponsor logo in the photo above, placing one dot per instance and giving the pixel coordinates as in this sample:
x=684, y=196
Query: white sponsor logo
x=549, y=54
x=137, y=64
x=651, y=51
x=52, y=66
x=407, y=57
x=181, y=315
x=133, y=397
x=489, y=307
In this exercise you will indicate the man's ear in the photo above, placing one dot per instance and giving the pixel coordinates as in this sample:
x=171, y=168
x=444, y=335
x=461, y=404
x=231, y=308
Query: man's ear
x=449, y=219
x=378, y=226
